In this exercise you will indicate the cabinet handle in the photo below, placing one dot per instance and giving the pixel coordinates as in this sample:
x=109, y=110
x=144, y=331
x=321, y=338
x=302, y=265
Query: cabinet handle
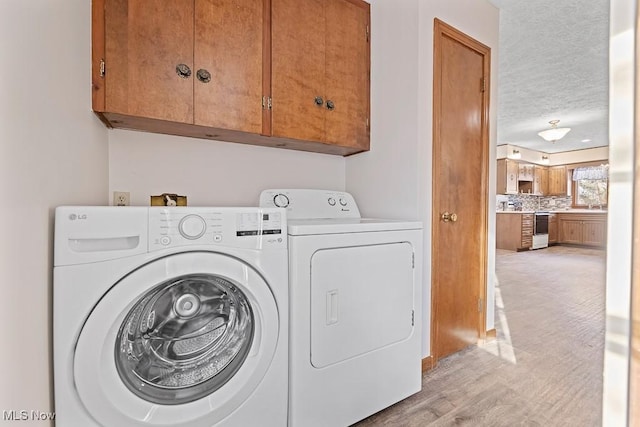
x=319, y=101
x=203, y=75
x=183, y=71
x=330, y=105
x=446, y=217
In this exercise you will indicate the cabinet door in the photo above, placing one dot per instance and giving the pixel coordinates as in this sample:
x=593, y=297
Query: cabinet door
x=512, y=177
x=594, y=232
x=347, y=73
x=558, y=181
x=229, y=48
x=298, y=69
x=553, y=228
x=142, y=56
x=527, y=230
x=540, y=180
x=320, y=71
x=571, y=231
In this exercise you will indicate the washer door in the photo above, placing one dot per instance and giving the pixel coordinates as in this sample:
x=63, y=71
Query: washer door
x=183, y=340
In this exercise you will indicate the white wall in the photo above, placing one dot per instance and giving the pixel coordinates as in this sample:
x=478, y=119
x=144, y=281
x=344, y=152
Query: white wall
x=394, y=178
x=54, y=152
x=212, y=173
x=622, y=72
x=562, y=158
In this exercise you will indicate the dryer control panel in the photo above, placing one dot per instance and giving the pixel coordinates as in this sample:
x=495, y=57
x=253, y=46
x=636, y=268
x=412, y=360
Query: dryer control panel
x=311, y=204
x=236, y=227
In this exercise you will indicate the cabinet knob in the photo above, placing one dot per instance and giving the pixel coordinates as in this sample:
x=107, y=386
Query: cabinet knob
x=330, y=105
x=203, y=75
x=183, y=71
x=446, y=217
x=319, y=101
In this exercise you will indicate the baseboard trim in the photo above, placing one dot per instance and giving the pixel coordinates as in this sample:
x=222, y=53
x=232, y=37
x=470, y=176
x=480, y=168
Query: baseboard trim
x=428, y=363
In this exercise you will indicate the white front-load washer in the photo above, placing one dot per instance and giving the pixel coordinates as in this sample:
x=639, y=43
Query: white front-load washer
x=355, y=308
x=170, y=316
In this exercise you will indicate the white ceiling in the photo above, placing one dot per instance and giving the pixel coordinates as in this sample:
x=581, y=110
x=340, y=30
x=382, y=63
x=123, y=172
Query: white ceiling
x=553, y=64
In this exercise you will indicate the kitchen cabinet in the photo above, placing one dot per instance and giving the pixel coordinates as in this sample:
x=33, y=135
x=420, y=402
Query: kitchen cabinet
x=540, y=180
x=210, y=69
x=514, y=231
x=507, y=177
x=525, y=172
x=557, y=181
x=553, y=228
x=589, y=229
x=320, y=71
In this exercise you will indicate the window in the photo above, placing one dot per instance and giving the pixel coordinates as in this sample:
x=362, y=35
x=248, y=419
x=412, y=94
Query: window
x=590, y=186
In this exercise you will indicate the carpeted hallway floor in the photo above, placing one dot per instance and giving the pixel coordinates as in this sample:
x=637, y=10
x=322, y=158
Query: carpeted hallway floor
x=544, y=368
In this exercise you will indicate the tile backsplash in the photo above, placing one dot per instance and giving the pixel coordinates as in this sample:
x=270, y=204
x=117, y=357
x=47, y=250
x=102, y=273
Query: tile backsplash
x=533, y=203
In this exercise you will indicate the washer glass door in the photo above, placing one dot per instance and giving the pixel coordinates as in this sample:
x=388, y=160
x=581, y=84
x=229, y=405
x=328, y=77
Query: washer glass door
x=183, y=340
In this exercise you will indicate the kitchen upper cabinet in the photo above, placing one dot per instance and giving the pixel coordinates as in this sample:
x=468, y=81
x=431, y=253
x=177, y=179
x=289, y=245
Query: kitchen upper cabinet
x=507, y=177
x=236, y=70
x=588, y=229
x=540, y=180
x=320, y=71
x=525, y=172
x=196, y=62
x=557, y=181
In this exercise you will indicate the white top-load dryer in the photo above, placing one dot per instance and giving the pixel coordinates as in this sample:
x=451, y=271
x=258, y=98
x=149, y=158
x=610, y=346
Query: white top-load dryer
x=355, y=308
x=170, y=317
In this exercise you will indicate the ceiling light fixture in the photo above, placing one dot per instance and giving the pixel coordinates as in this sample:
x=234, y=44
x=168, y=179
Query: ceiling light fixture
x=555, y=133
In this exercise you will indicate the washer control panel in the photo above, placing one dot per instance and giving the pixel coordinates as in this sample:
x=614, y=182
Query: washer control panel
x=310, y=204
x=236, y=227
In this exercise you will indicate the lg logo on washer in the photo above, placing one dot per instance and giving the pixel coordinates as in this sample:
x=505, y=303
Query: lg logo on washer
x=73, y=216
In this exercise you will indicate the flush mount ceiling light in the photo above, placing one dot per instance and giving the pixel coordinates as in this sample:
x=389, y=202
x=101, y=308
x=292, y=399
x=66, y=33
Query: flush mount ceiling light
x=555, y=133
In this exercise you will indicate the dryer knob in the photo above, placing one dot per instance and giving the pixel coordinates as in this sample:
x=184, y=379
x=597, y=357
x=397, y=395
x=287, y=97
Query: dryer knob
x=281, y=200
x=192, y=227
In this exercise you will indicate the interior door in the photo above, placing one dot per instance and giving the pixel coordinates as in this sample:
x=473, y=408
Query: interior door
x=147, y=59
x=460, y=172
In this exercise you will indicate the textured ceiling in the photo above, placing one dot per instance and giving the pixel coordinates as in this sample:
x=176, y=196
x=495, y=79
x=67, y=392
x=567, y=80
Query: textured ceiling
x=553, y=64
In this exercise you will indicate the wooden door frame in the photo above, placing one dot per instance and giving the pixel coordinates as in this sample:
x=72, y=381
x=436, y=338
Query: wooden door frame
x=442, y=29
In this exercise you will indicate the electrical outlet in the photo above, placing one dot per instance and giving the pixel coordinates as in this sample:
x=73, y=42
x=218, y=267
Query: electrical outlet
x=120, y=198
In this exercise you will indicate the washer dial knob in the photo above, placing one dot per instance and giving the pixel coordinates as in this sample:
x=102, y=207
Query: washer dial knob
x=192, y=227
x=343, y=202
x=331, y=201
x=281, y=200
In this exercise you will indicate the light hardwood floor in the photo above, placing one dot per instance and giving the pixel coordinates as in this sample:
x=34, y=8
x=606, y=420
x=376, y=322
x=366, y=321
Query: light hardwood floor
x=544, y=368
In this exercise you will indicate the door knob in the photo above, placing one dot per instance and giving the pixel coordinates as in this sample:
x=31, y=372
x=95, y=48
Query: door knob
x=446, y=217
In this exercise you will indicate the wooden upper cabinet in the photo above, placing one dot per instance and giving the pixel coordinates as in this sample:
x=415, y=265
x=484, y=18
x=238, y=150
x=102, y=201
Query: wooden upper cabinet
x=228, y=60
x=507, y=177
x=540, y=180
x=558, y=181
x=320, y=71
x=525, y=172
x=140, y=59
x=245, y=71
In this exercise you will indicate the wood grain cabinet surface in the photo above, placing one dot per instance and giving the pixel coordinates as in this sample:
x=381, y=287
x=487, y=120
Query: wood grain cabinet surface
x=553, y=228
x=557, y=181
x=588, y=229
x=236, y=70
x=540, y=180
x=514, y=231
x=507, y=177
